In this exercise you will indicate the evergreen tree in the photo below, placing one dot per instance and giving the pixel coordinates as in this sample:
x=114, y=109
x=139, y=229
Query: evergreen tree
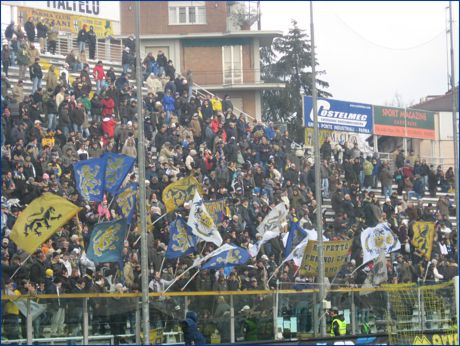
x=289, y=61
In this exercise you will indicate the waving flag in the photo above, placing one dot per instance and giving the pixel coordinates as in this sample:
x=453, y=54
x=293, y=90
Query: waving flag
x=179, y=192
x=380, y=271
x=269, y=235
x=181, y=239
x=297, y=254
x=423, y=237
x=117, y=168
x=201, y=222
x=40, y=220
x=231, y=256
x=126, y=201
x=90, y=179
x=274, y=220
x=374, y=239
x=106, y=242
x=296, y=235
x=217, y=210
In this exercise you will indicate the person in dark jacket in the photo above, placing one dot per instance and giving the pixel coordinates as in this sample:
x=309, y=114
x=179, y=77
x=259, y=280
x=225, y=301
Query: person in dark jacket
x=9, y=31
x=192, y=336
x=42, y=32
x=91, y=39
x=77, y=116
x=326, y=150
x=82, y=38
x=51, y=111
x=36, y=75
x=29, y=27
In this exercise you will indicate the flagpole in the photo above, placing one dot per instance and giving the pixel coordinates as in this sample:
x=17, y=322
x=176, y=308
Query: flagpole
x=141, y=166
x=80, y=230
x=162, y=263
x=154, y=222
x=319, y=221
x=194, y=275
x=177, y=278
x=20, y=266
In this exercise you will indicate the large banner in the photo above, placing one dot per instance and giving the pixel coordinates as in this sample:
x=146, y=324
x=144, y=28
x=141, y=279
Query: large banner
x=401, y=122
x=338, y=115
x=67, y=22
x=335, y=253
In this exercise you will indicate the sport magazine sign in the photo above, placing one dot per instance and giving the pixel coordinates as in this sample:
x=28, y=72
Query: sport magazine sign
x=404, y=122
x=338, y=115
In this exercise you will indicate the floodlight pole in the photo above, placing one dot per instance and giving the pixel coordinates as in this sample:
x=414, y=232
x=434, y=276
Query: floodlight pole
x=142, y=194
x=319, y=220
x=454, y=108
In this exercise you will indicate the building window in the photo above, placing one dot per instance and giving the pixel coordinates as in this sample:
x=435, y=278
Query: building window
x=187, y=12
x=232, y=57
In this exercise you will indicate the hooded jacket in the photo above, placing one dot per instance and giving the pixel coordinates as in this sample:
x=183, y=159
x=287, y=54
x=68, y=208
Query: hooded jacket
x=192, y=336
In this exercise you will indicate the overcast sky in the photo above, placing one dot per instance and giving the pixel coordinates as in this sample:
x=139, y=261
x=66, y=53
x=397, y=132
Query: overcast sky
x=373, y=50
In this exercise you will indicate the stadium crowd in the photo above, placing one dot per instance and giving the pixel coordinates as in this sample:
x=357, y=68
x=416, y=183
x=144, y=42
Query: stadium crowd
x=250, y=164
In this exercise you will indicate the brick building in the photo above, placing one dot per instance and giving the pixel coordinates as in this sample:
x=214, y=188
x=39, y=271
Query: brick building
x=205, y=37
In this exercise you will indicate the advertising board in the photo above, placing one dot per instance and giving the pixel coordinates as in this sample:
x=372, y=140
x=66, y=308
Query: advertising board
x=338, y=115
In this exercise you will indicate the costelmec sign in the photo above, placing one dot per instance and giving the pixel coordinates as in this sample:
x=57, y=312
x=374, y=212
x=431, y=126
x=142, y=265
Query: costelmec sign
x=338, y=115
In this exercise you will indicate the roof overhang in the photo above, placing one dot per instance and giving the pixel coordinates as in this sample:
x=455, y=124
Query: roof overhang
x=265, y=37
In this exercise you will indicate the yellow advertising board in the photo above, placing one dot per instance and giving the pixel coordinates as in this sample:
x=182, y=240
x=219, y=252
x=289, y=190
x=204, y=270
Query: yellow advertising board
x=335, y=253
x=335, y=136
x=66, y=22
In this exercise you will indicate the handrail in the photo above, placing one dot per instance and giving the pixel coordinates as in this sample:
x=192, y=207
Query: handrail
x=389, y=287
x=235, y=108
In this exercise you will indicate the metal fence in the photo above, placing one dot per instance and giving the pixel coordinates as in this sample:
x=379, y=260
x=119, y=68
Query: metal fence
x=224, y=317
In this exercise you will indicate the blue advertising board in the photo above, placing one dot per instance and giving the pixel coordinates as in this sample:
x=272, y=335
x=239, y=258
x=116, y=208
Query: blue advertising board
x=338, y=115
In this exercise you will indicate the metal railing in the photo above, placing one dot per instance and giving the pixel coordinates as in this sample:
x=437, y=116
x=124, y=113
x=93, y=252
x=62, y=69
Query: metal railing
x=201, y=91
x=222, y=315
x=108, y=49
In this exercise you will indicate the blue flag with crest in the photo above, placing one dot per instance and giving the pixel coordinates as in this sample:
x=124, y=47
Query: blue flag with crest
x=117, y=167
x=181, y=239
x=106, y=242
x=126, y=201
x=296, y=235
x=90, y=179
x=232, y=256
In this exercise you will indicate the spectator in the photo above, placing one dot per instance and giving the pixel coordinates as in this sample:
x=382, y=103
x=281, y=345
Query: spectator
x=91, y=39
x=82, y=38
x=36, y=75
x=23, y=60
x=42, y=32
x=126, y=59
x=29, y=27
x=99, y=75
x=53, y=33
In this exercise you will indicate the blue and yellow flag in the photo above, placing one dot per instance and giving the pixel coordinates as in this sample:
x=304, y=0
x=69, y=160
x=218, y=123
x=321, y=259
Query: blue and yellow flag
x=232, y=256
x=179, y=192
x=217, y=210
x=106, y=242
x=126, y=201
x=181, y=239
x=117, y=168
x=89, y=178
x=295, y=237
x=40, y=220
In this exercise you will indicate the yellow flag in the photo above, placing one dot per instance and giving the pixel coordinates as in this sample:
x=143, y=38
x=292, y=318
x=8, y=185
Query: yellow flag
x=40, y=220
x=179, y=192
x=423, y=237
